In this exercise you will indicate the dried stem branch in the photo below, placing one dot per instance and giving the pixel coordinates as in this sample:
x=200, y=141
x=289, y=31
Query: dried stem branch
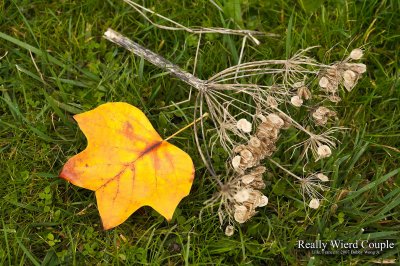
x=154, y=58
x=195, y=30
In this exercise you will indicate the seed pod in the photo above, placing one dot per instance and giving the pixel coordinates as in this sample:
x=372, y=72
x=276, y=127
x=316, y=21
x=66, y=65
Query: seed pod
x=241, y=214
x=276, y=120
x=358, y=68
x=242, y=195
x=236, y=161
x=296, y=101
x=350, y=78
x=254, y=142
x=356, y=54
x=304, y=93
x=259, y=170
x=333, y=73
x=298, y=84
x=261, y=117
x=314, y=204
x=322, y=177
x=244, y=125
x=349, y=84
x=286, y=120
x=239, y=148
x=334, y=98
x=247, y=179
x=266, y=127
x=322, y=120
x=271, y=102
x=349, y=75
x=263, y=201
x=324, y=151
x=246, y=156
x=322, y=110
x=324, y=82
x=257, y=184
x=320, y=117
x=229, y=230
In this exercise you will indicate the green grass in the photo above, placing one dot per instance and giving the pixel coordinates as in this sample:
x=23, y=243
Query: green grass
x=46, y=221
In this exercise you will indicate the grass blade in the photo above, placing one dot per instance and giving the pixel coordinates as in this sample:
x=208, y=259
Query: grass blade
x=27, y=253
x=371, y=185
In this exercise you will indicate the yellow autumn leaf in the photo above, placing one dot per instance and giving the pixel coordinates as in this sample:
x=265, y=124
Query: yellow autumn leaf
x=128, y=164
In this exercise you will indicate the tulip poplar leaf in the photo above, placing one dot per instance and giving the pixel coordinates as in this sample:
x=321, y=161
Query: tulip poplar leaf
x=128, y=164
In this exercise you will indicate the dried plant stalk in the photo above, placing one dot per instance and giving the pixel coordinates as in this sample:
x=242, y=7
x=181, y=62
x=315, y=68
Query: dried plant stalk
x=240, y=193
x=195, y=30
x=153, y=58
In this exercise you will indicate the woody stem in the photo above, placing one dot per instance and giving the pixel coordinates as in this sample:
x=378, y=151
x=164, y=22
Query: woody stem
x=154, y=58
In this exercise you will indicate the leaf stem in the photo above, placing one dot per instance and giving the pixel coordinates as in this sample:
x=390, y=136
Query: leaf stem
x=189, y=125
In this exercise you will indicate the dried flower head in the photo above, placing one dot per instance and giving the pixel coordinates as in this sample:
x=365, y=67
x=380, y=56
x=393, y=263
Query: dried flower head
x=344, y=73
x=240, y=195
x=312, y=186
x=254, y=142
